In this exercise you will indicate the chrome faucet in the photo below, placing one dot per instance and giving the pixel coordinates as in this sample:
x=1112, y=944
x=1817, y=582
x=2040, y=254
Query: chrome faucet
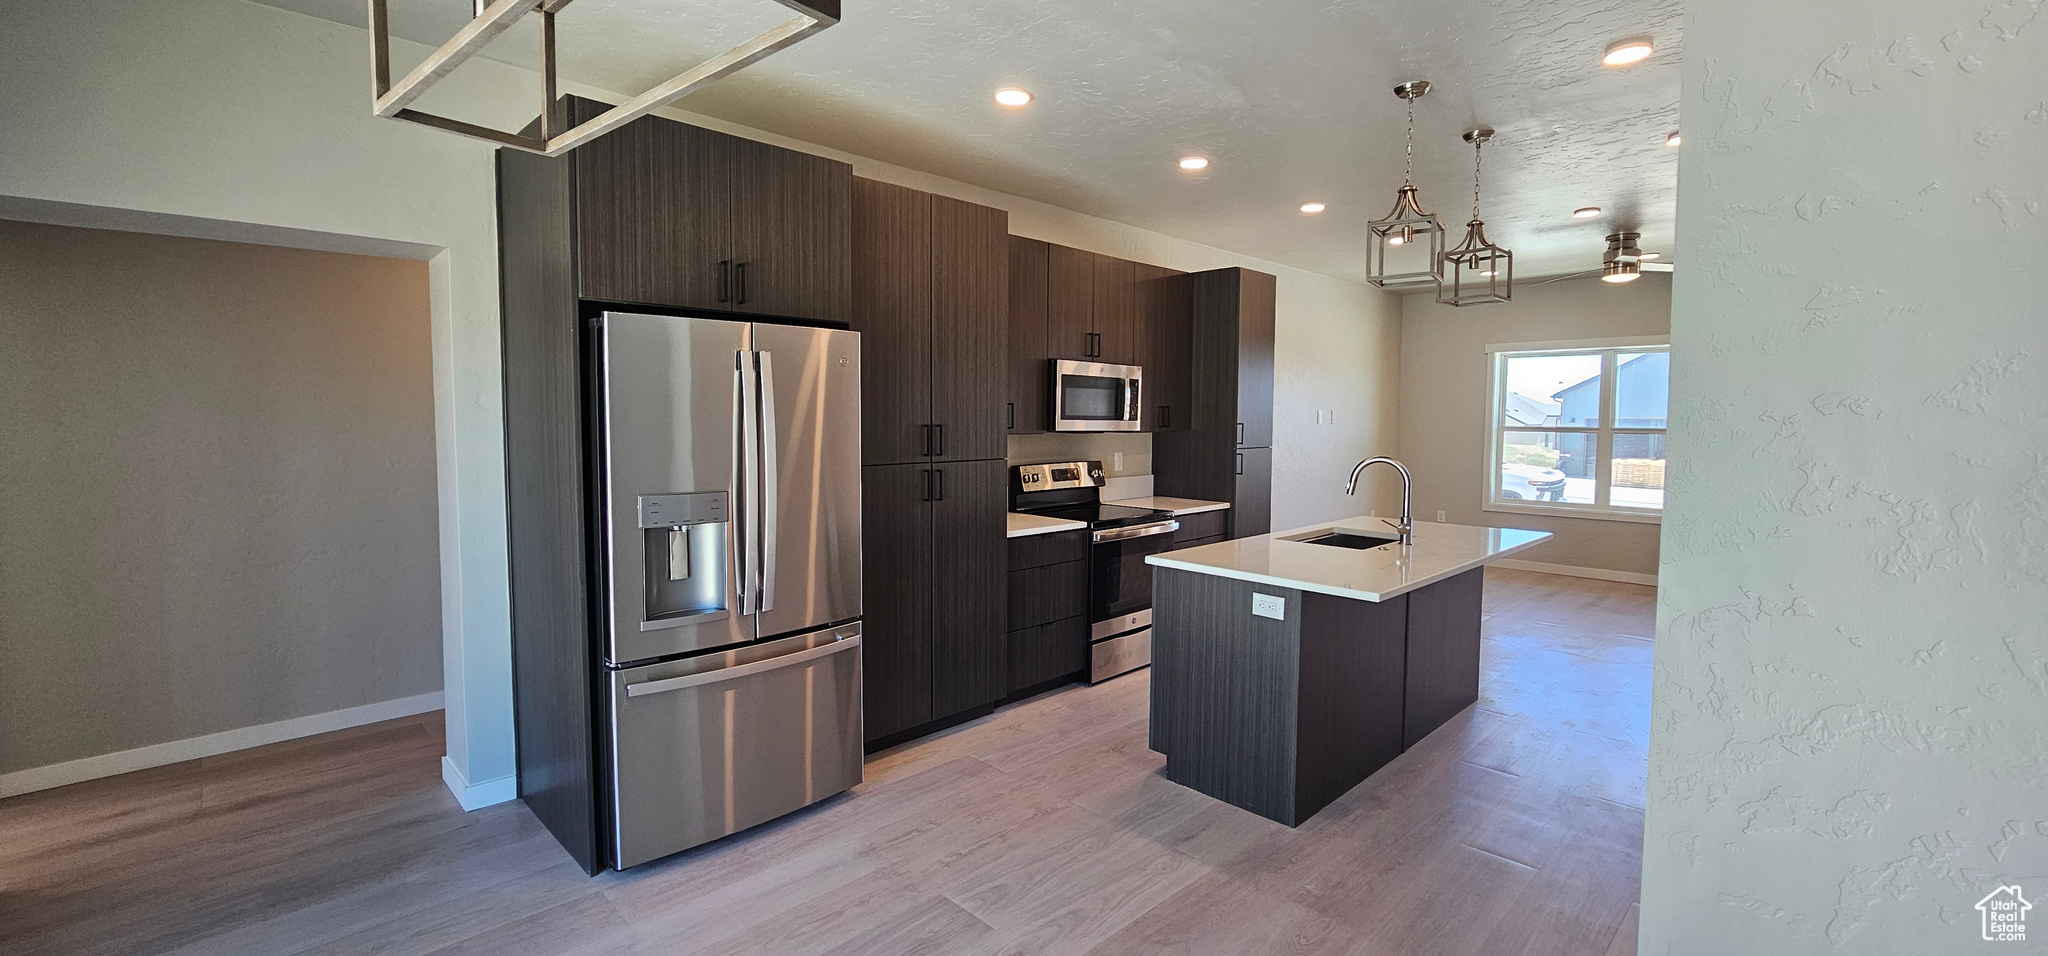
x=1407, y=525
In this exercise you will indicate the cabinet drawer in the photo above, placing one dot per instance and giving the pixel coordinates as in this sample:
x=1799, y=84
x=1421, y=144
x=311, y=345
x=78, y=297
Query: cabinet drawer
x=1039, y=550
x=1204, y=524
x=1179, y=545
x=1048, y=652
x=1042, y=595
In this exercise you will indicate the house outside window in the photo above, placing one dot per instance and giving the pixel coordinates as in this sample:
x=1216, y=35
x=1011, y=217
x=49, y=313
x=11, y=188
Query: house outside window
x=1578, y=428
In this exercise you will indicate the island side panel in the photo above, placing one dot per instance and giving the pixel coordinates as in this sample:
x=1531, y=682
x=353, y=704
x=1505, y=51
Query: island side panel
x=1225, y=686
x=1353, y=676
x=1443, y=651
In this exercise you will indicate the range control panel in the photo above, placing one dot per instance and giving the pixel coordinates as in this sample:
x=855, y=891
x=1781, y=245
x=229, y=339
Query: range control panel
x=1058, y=475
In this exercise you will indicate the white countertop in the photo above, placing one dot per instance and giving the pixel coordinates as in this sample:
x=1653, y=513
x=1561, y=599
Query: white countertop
x=1024, y=526
x=1179, y=506
x=1440, y=551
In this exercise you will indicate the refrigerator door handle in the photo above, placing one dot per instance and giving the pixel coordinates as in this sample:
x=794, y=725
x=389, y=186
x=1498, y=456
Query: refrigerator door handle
x=770, y=475
x=837, y=646
x=747, y=513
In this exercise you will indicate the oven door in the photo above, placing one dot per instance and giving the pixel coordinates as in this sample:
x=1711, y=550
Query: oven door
x=1093, y=397
x=1120, y=585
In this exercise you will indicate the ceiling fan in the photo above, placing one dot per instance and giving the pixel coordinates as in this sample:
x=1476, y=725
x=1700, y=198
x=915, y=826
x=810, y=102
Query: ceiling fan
x=1625, y=262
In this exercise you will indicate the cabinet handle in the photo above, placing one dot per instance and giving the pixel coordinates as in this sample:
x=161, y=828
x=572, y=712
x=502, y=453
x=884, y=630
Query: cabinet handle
x=740, y=276
x=925, y=432
x=941, y=472
x=1166, y=416
x=941, y=445
x=927, y=484
x=1240, y=435
x=1013, y=416
x=725, y=280
x=1240, y=463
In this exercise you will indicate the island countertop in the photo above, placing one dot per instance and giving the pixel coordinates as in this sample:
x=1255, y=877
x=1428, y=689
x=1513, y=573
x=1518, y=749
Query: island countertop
x=1440, y=551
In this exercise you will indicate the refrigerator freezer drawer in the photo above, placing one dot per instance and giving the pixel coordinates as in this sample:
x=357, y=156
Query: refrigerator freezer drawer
x=712, y=745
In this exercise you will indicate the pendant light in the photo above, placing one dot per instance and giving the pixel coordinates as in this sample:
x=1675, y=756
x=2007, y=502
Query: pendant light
x=1624, y=259
x=1408, y=244
x=1479, y=272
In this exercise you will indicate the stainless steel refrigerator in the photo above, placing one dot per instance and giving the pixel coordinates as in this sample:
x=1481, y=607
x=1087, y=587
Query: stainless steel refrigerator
x=732, y=575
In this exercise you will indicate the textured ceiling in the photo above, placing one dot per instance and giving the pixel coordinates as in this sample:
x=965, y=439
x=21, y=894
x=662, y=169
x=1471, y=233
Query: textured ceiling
x=1291, y=100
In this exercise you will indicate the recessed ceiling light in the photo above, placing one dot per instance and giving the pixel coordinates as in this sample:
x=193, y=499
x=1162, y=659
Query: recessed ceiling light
x=1629, y=51
x=1194, y=162
x=1012, y=96
x=1671, y=140
x=1312, y=208
x=1652, y=255
x=1585, y=212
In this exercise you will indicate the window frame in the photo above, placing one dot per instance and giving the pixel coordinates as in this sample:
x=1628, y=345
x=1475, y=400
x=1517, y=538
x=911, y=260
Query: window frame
x=1603, y=465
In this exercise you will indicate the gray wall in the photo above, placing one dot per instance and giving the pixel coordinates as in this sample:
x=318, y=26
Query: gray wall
x=1444, y=405
x=217, y=491
x=1849, y=734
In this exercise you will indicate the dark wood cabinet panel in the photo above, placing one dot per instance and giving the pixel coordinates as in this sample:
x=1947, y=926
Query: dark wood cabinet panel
x=551, y=652
x=1443, y=652
x=1165, y=345
x=1038, y=550
x=791, y=233
x=1026, y=405
x=967, y=592
x=1201, y=524
x=896, y=631
x=1251, y=508
x=1045, y=594
x=970, y=292
x=1116, y=311
x=654, y=213
x=1070, y=304
x=892, y=311
x=1047, y=653
x=1256, y=291
x=1352, y=659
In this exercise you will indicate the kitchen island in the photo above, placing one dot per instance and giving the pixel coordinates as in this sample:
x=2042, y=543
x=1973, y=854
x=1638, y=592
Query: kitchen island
x=1288, y=667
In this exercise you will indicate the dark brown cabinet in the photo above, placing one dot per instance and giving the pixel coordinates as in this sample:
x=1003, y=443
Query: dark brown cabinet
x=931, y=291
x=1025, y=405
x=1070, y=304
x=896, y=626
x=1165, y=334
x=1047, y=643
x=675, y=215
x=1225, y=453
x=934, y=594
x=1115, y=319
x=970, y=518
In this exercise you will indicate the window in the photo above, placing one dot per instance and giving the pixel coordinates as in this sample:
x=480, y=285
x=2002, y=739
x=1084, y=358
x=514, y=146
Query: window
x=1578, y=428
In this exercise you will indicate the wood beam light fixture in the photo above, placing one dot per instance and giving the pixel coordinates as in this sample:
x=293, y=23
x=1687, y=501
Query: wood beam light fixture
x=394, y=99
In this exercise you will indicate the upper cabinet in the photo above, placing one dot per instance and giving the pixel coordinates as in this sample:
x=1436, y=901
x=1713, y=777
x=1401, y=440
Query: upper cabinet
x=1224, y=453
x=674, y=215
x=1165, y=349
x=1116, y=311
x=1025, y=405
x=931, y=301
x=1069, y=304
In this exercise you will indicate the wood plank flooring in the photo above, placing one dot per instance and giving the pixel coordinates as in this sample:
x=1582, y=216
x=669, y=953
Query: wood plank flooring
x=1046, y=828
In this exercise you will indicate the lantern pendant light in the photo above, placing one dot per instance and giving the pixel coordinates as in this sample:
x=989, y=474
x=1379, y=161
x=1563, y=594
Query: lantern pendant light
x=1407, y=245
x=1477, y=271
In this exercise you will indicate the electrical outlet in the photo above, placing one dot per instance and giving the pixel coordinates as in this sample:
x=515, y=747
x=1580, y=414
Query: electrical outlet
x=1117, y=462
x=1269, y=605
x=1439, y=517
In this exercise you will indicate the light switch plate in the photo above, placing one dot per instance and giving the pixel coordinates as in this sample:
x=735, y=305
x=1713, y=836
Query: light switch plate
x=1269, y=605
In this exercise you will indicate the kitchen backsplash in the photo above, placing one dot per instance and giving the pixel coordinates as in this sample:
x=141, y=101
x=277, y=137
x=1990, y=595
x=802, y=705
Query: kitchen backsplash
x=1127, y=458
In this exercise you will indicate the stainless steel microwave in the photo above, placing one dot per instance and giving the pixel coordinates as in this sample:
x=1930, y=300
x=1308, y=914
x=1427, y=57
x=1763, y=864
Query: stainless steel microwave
x=1093, y=397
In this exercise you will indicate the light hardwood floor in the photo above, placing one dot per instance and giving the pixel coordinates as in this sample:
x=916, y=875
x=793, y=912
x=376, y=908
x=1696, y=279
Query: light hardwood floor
x=1046, y=828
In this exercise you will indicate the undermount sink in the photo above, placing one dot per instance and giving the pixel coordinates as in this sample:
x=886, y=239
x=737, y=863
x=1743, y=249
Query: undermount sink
x=1346, y=538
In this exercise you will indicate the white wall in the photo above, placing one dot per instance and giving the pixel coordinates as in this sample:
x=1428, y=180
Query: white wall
x=200, y=113
x=1445, y=407
x=1849, y=743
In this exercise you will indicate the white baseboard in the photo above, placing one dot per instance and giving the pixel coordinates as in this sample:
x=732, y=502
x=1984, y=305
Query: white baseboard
x=193, y=748
x=475, y=796
x=1597, y=574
